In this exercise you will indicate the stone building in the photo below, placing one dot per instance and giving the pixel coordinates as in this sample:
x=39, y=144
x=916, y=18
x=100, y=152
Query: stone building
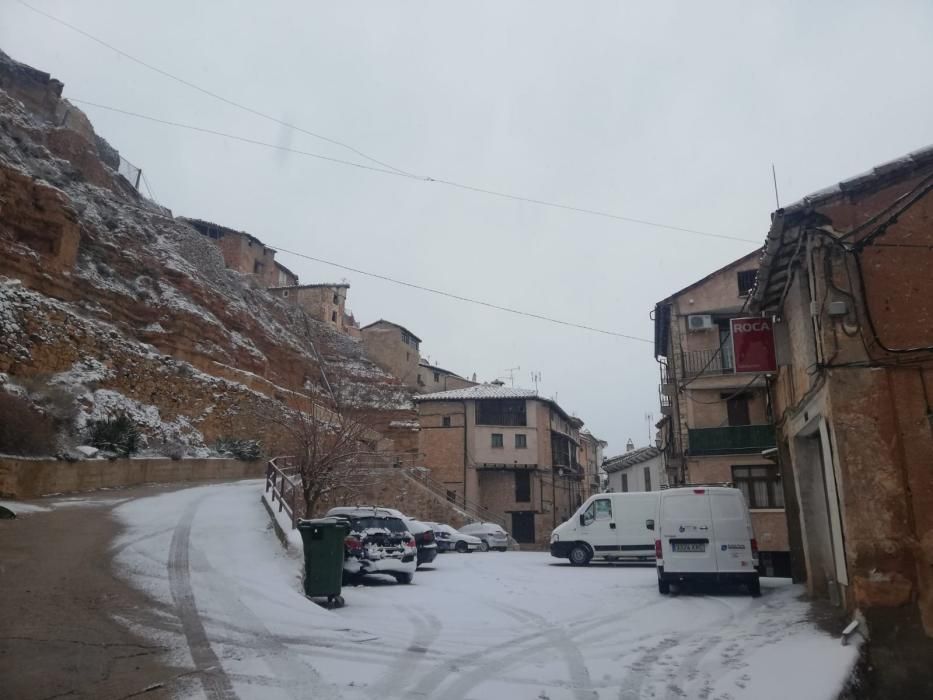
x=432, y=378
x=639, y=469
x=507, y=450
x=395, y=349
x=591, y=457
x=326, y=302
x=717, y=426
x=246, y=254
x=846, y=275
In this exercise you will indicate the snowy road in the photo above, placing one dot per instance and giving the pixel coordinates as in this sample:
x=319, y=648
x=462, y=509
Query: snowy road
x=480, y=626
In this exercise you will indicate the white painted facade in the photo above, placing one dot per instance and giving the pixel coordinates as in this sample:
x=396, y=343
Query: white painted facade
x=647, y=474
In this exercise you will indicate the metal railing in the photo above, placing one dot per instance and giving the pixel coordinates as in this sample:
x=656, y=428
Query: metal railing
x=282, y=486
x=470, y=508
x=716, y=361
x=737, y=439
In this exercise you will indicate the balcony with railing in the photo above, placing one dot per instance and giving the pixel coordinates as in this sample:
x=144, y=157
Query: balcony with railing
x=667, y=403
x=731, y=440
x=715, y=361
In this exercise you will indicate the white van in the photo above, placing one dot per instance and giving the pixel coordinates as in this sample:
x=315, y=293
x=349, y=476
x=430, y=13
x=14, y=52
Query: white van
x=704, y=533
x=608, y=526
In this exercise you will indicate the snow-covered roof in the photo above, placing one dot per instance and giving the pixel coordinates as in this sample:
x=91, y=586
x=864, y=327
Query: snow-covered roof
x=903, y=165
x=428, y=365
x=642, y=454
x=481, y=391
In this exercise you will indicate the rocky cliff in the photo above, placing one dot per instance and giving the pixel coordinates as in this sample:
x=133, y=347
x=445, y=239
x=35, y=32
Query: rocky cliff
x=107, y=298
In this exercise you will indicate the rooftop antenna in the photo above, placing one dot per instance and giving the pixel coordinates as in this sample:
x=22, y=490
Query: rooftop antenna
x=512, y=371
x=536, y=377
x=650, y=419
x=777, y=200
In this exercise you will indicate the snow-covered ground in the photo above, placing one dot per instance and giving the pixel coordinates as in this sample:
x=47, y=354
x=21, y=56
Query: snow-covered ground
x=483, y=626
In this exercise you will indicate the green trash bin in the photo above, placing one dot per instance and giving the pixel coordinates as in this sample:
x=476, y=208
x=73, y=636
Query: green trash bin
x=323, y=541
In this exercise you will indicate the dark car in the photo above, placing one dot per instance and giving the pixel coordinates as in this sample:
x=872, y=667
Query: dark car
x=377, y=544
x=424, y=538
x=424, y=535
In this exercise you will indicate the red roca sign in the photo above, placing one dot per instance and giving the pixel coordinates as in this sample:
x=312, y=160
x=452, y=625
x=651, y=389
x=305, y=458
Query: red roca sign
x=753, y=345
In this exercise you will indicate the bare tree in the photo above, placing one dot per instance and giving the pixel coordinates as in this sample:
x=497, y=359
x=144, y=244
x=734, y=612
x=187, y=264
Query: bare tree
x=332, y=450
x=329, y=431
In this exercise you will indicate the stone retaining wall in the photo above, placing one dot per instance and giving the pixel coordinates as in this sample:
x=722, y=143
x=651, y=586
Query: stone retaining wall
x=31, y=478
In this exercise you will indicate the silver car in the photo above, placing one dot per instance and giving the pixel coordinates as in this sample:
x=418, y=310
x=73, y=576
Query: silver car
x=450, y=540
x=491, y=534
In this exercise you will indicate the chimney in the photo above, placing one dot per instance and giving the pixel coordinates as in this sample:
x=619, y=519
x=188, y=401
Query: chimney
x=629, y=446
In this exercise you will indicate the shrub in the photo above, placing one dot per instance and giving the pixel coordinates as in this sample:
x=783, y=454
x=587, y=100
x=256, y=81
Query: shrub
x=24, y=430
x=116, y=434
x=247, y=450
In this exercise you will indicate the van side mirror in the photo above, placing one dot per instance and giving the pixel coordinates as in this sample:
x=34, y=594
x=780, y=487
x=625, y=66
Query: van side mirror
x=582, y=520
x=649, y=523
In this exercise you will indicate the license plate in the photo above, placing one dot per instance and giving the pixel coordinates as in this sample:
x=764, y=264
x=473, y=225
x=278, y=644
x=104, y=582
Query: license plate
x=682, y=547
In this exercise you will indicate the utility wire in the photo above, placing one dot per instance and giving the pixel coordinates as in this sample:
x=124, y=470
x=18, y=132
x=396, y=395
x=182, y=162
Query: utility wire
x=390, y=169
x=244, y=139
x=450, y=183
x=458, y=297
x=412, y=285
x=207, y=92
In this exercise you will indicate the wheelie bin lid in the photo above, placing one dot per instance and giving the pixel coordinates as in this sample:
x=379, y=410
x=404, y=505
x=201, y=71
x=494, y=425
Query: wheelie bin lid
x=319, y=522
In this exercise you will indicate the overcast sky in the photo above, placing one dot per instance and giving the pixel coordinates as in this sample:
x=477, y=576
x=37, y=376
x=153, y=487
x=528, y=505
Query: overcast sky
x=664, y=112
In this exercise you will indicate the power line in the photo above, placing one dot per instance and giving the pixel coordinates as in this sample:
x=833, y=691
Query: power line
x=450, y=295
x=391, y=169
x=422, y=288
x=207, y=92
x=450, y=183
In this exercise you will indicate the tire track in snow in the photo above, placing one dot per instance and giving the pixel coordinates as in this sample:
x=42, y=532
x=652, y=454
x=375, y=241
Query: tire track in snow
x=581, y=683
x=214, y=681
x=427, y=628
x=296, y=677
x=517, y=649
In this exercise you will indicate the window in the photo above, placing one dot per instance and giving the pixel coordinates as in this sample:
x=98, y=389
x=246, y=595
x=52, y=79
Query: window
x=257, y=267
x=497, y=440
x=446, y=421
x=437, y=376
x=522, y=487
x=746, y=279
x=336, y=298
x=647, y=478
x=500, y=412
x=625, y=482
x=737, y=409
x=600, y=509
x=521, y=441
x=761, y=485
x=285, y=293
x=333, y=316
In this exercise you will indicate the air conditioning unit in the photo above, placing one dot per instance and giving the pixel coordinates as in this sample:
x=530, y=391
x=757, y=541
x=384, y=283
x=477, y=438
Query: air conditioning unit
x=700, y=322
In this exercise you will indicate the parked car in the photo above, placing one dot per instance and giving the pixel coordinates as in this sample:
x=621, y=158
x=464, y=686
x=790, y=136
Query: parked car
x=491, y=535
x=704, y=534
x=424, y=536
x=378, y=543
x=451, y=540
x=609, y=526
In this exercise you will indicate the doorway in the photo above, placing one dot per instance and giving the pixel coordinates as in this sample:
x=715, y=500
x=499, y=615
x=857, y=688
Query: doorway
x=523, y=527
